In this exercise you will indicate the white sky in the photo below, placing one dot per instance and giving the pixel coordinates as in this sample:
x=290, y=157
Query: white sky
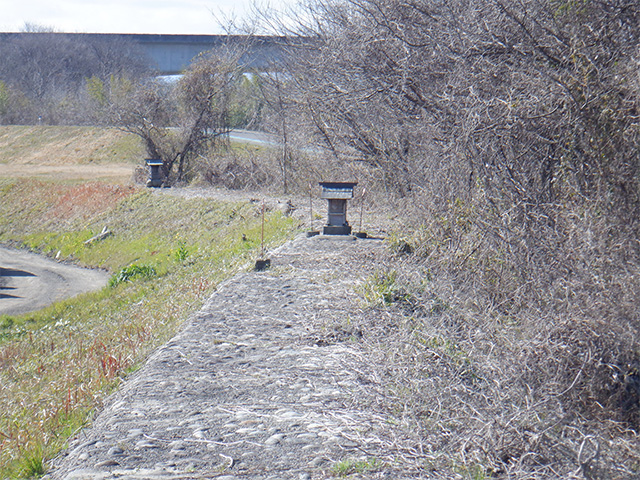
x=123, y=16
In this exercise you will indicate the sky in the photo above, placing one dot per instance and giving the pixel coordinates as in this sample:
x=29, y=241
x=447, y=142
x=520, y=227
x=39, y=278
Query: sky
x=123, y=16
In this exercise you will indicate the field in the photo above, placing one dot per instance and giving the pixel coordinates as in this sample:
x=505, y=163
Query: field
x=68, y=153
x=166, y=256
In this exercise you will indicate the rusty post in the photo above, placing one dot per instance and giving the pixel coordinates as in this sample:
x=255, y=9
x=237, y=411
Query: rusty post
x=310, y=208
x=263, y=263
x=262, y=235
x=364, y=190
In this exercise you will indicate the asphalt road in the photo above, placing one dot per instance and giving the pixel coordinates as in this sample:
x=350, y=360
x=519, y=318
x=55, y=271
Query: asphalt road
x=250, y=136
x=29, y=282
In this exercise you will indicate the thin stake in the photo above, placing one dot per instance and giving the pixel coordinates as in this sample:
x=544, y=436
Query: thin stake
x=364, y=190
x=262, y=239
x=310, y=209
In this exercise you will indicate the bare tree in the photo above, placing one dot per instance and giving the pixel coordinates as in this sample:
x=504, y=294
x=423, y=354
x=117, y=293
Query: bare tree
x=180, y=121
x=50, y=70
x=274, y=91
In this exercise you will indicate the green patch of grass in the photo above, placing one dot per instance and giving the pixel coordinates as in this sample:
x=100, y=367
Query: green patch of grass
x=56, y=364
x=383, y=288
x=127, y=274
x=32, y=462
x=399, y=244
x=350, y=466
x=6, y=321
x=471, y=472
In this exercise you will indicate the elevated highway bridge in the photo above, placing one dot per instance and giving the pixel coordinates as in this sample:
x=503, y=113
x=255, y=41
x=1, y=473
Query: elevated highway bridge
x=171, y=54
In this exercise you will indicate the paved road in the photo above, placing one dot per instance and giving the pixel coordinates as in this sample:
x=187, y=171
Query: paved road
x=29, y=282
x=250, y=136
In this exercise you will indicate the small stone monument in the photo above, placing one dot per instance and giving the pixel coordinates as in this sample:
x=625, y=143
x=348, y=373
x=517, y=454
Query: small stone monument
x=337, y=194
x=156, y=177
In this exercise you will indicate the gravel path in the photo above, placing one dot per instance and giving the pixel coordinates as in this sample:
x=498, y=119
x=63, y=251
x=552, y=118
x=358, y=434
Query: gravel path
x=267, y=381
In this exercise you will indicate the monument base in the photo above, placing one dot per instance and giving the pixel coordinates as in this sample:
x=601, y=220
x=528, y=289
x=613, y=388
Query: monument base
x=336, y=230
x=262, y=265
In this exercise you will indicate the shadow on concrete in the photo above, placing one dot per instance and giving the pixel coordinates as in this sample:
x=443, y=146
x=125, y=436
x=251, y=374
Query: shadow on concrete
x=5, y=295
x=12, y=272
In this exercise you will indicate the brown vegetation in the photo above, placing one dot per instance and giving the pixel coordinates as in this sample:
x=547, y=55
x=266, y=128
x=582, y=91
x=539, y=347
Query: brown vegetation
x=509, y=131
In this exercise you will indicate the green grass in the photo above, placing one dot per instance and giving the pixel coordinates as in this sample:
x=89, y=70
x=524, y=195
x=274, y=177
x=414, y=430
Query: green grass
x=132, y=272
x=383, y=288
x=471, y=472
x=167, y=254
x=350, y=466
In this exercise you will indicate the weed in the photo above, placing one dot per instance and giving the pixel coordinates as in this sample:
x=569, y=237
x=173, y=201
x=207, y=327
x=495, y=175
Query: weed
x=349, y=466
x=383, y=288
x=472, y=472
x=399, y=245
x=181, y=253
x=32, y=462
x=6, y=322
x=127, y=274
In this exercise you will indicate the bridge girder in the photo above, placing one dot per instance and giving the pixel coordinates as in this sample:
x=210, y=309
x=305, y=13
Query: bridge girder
x=172, y=54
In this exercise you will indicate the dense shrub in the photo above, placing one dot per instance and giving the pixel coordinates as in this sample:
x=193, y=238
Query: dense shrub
x=509, y=131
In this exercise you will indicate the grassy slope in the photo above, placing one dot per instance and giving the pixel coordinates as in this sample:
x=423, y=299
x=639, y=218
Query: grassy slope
x=57, y=364
x=67, y=145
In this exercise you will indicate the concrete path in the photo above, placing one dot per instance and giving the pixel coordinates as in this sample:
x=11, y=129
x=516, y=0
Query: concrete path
x=267, y=381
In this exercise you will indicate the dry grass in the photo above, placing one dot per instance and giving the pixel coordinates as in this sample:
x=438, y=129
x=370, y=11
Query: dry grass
x=60, y=145
x=68, y=153
x=488, y=379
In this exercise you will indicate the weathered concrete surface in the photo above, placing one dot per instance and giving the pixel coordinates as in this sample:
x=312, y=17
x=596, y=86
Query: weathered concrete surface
x=267, y=381
x=29, y=282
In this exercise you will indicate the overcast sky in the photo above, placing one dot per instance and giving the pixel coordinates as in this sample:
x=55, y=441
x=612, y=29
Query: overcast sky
x=122, y=16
